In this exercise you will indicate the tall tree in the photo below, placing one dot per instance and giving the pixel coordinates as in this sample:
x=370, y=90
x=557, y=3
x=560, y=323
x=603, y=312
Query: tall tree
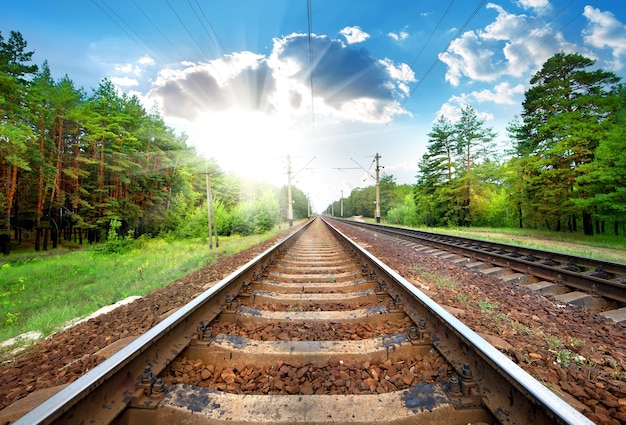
x=474, y=144
x=564, y=115
x=15, y=132
x=604, y=179
x=435, y=179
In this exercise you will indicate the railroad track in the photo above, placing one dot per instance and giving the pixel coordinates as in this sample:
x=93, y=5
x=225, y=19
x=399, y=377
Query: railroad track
x=313, y=331
x=594, y=284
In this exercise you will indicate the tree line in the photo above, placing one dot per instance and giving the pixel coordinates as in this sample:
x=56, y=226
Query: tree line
x=71, y=162
x=562, y=168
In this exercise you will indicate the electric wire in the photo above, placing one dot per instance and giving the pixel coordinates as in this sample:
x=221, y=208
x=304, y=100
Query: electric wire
x=138, y=40
x=216, y=39
x=204, y=27
x=538, y=30
x=429, y=37
x=436, y=61
x=158, y=29
x=563, y=26
x=206, y=55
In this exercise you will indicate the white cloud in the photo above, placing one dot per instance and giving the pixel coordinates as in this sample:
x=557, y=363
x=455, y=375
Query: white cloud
x=348, y=84
x=135, y=69
x=453, y=107
x=354, y=34
x=502, y=94
x=145, y=60
x=534, y=4
x=511, y=45
x=605, y=31
x=124, y=81
x=127, y=67
x=402, y=35
x=401, y=74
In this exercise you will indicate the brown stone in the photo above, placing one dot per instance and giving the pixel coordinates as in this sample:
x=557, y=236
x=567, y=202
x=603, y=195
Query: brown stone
x=228, y=376
x=306, y=388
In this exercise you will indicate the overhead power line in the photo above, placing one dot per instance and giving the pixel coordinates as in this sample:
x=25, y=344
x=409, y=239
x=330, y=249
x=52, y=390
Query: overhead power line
x=197, y=43
x=429, y=37
x=158, y=29
x=436, y=61
x=139, y=40
x=214, y=38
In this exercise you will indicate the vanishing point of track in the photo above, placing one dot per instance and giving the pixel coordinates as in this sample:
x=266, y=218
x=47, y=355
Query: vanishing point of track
x=313, y=331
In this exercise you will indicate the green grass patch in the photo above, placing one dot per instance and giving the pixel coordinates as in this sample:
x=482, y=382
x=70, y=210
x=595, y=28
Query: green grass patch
x=440, y=281
x=600, y=246
x=43, y=292
x=566, y=242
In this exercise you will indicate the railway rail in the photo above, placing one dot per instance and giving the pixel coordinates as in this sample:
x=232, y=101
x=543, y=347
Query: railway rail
x=586, y=282
x=315, y=330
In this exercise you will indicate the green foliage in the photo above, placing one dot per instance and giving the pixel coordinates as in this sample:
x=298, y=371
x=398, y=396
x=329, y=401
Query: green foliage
x=566, y=167
x=223, y=219
x=405, y=213
x=42, y=293
x=83, y=159
x=451, y=184
x=567, y=113
x=256, y=217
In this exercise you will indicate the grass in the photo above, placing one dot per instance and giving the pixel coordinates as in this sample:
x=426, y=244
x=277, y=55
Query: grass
x=441, y=281
x=42, y=292
x=581, y=245
x=568, y=243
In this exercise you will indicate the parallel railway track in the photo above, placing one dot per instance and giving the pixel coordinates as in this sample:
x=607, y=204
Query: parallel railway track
x=586, y=282
x=314, y=330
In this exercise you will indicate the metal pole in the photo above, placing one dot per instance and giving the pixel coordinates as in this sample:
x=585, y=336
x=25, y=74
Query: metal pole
x=341, y=202
x=289, y=201
x=208, y=208
x=217, y=242
x=377, y=189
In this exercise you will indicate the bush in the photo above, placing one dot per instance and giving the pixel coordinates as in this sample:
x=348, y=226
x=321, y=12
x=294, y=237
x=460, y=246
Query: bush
x=114, y=243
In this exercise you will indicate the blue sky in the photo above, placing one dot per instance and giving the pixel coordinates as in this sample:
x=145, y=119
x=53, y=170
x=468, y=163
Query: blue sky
x=235, y=75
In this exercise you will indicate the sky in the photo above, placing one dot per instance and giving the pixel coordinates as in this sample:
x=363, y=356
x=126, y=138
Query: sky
x=235, y=75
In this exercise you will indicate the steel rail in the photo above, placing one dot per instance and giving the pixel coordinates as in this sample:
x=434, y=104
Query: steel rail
x=101, y=394
x=523, y=397
x=548, y=265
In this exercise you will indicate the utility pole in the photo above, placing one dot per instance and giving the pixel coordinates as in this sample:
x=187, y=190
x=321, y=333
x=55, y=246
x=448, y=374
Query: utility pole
x=308, y=206
x=289, y=200
x=378, y=167
x=341, y=203
x=377, y=188
x=211, y=213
